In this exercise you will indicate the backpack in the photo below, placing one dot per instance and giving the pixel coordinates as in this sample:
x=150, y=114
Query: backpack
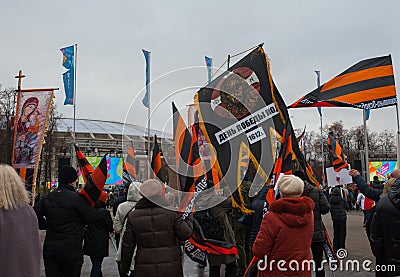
x=212, y=229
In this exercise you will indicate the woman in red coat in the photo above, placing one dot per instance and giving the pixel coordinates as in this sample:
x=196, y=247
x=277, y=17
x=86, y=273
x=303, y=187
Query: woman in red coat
x=284, y=240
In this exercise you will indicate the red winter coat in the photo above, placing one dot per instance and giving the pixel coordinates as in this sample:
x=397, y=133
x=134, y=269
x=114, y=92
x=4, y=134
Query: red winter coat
x=285, y=234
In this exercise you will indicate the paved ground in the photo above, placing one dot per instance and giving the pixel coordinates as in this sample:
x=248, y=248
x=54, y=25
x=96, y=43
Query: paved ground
x=356, y=243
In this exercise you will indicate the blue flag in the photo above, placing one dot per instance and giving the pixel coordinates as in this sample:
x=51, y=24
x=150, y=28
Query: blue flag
x=209, y=68
x=145, y=99
x=367, y=113
x=318, y=84
x=68, y=76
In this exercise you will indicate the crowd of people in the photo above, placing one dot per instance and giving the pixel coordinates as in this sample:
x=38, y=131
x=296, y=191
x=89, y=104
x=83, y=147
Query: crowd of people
x=149, y=237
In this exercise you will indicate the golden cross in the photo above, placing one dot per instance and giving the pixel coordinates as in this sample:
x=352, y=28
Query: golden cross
x=19, y=77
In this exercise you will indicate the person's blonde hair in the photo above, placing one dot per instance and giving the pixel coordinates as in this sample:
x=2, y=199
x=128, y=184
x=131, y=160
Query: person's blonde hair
x=12, y=191
x=387, y=185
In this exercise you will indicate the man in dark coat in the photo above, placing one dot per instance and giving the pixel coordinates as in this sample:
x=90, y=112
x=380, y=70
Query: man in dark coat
x=385, y=231
x=321, y=206
x=376, y=184
x=96, y=237
x=339, y=207
x=63, y=213
x=154, y=230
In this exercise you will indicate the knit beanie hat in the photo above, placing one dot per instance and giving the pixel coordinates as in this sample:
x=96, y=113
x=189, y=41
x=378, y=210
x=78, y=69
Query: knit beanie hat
x=290, y=186
x=67, y=174
x=151, y=188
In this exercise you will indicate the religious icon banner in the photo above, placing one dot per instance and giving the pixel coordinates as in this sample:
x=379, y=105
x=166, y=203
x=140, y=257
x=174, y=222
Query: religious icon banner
x=33, y=109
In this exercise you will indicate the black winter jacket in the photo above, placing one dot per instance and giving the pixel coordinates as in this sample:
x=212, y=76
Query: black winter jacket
x=338, y=208
x=63, y=213
x=374, y=194
x=385, y=229
x=256, y=218
x=96, y=235
x=321, y=206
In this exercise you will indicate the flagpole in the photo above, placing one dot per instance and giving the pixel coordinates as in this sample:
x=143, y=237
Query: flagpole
x=320, y=119
x=74, y=99
x=148, y=117
x=398, y=135
x=76, y=59
x=366, y=146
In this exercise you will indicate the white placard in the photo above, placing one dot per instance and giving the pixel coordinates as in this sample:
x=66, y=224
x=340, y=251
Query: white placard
x=256, y=135
x=246, y=123
x=338, y=178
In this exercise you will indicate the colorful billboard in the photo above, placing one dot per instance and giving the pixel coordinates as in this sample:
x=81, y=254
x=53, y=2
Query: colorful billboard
x=382, y=169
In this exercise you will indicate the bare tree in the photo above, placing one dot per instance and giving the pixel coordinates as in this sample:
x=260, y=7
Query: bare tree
x=8, y=98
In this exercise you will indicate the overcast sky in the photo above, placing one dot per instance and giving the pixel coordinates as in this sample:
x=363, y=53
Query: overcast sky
x=299, y=37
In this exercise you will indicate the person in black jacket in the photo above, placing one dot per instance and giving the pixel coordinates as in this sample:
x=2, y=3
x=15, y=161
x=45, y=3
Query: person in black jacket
x=339, y=218
x=256, y=218
x=63, y=213
x=385, y=231
x=321, y=206
x=96, y=238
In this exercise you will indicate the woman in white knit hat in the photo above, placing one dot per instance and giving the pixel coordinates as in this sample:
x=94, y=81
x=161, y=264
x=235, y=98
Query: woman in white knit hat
x=286, y=232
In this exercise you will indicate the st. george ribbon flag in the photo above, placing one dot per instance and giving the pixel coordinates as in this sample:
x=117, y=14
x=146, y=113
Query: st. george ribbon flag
x=368, y=85
x=238, y=112
x=336, y=154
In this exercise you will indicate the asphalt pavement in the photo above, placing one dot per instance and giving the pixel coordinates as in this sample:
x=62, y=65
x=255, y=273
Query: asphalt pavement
x=357, y=247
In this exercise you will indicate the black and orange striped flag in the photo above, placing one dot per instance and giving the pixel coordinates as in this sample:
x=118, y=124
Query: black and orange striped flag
x=368, y=84
x=195, y=173
x=84, y=165
x=336, y=154
x=94, y=186
x=182, y=142
x=129, y=170
x=156, y=164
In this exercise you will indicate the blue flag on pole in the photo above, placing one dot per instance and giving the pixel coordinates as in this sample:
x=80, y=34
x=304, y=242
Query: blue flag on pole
x=367, y=113
x=68, y=76
x=145, y=99
x=318, y=84
x=209, y=68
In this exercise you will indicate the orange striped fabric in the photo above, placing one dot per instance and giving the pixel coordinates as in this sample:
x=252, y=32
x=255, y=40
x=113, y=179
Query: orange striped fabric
x=95, y=182
x=84, y=165
x=129, y=165
x=182, y=143
x=338, y=158
x=369, y=84
x=156, y=164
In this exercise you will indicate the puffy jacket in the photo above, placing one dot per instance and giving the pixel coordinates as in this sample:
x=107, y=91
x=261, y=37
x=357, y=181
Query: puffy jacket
x=338, y=208
x=385, y=229
x=286, y=234
x=63, y=213
x=154, y=230
x=96, y=235
x=123, y=209
x=321, y=206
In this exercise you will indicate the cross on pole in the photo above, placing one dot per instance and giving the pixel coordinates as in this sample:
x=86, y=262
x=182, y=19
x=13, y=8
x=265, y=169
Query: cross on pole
x=19, y=77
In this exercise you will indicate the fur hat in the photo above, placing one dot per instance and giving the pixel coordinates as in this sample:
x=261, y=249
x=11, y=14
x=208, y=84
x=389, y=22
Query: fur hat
x=151, y=188
x=67, y=174
x=290, y=186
